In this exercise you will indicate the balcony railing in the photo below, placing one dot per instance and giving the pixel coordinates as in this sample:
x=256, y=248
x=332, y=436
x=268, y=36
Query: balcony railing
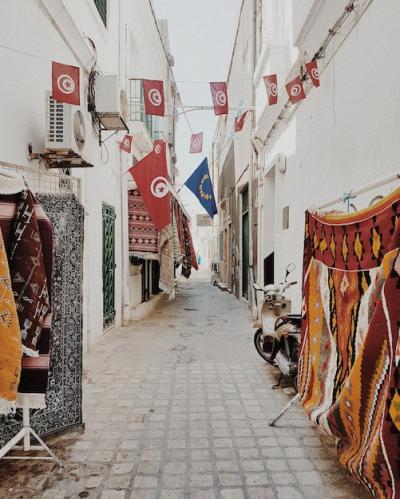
x=136, y=106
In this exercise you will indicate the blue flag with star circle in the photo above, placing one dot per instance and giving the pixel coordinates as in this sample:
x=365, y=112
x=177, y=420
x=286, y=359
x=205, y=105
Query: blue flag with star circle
x=201, y=186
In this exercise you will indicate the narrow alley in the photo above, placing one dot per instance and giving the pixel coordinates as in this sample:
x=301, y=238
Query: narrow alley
x=177, y=406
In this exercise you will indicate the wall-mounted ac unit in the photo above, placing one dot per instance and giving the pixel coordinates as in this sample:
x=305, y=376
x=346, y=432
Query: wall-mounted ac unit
x=65, y=127
x=65, y=135
x=111, y=103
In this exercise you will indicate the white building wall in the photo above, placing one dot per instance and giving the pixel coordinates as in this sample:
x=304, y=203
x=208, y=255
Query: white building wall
x=345, y=133
x=38, y=32
x=240, y=81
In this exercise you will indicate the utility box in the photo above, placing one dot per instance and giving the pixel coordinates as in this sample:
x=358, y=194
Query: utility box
x=111, y=103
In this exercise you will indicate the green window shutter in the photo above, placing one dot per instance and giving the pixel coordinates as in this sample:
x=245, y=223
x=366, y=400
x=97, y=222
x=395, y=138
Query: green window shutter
x=102, y=8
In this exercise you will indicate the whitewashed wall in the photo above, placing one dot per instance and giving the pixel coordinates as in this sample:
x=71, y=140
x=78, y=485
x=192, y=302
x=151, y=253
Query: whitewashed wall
x=38, y=32
x=345, y=134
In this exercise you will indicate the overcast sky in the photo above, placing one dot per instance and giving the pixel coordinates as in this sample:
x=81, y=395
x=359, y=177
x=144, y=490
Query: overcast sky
x=201, y=36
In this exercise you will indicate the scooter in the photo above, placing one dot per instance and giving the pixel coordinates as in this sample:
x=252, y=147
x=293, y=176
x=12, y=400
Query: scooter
x=278, y=339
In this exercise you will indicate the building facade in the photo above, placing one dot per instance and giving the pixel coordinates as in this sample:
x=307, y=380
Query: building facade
x=117, y=38
x=232, y=165
x=342, y=136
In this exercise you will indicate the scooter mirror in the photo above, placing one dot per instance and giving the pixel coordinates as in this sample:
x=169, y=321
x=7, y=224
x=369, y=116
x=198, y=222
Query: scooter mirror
x=291, y=267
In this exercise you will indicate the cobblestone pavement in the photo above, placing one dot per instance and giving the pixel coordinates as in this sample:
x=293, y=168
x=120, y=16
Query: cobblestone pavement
x=177, y=407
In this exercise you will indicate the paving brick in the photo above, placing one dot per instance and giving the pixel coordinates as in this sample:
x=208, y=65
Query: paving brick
x=260, y=493
x=232, y=494
x=122, y=468
x=174, y=481
x=175, y=468
x=230, y=479
x=112, y=494
x=289, y=493
x=145, y=482
x=308, y=478
x=201, y=480
x=256, y=479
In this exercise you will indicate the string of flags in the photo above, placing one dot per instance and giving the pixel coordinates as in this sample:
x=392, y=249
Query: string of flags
x=66, y=88
x=151, y=173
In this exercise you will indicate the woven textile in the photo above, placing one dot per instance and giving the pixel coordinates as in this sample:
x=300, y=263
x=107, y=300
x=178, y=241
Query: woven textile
x=166, y=259
x=186, y=243
x=64, y=394
x=10, y=338
x=142, y=233
x=28, y=273
x=34, y=374
x=349, y=371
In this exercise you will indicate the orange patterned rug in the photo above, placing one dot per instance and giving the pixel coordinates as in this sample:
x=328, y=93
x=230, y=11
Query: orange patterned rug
x=349, y=371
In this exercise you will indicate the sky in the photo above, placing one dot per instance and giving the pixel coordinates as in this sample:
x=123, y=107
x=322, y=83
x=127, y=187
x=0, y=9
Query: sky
x=201, y=36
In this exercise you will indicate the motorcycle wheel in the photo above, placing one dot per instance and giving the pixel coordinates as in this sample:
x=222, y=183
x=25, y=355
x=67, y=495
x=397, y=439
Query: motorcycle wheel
x=259, y=344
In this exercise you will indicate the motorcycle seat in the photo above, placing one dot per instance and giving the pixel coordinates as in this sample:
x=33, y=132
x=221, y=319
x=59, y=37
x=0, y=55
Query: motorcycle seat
x=293, y=316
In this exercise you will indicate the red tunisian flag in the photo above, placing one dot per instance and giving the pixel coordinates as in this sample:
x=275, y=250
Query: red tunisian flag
x=313, y=73
x=295, y=90
x=271, y=85
x=219, y=92
x=126, y=144
x=196, y=143
x=239, y=122
x=151, y=177
x=154, y=102
x=65, y=83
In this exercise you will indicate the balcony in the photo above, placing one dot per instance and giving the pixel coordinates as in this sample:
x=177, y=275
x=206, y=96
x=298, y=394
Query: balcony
x=140, y=124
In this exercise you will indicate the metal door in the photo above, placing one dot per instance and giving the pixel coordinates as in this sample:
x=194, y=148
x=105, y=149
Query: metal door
x=108, y=265
x=245, y=243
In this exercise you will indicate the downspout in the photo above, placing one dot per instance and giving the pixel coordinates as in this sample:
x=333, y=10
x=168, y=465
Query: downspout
x=253, y=156
x=126, y=298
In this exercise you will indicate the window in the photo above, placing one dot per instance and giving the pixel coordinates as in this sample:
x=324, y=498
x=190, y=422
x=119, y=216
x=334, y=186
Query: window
x=136, y=106
x=102, y=8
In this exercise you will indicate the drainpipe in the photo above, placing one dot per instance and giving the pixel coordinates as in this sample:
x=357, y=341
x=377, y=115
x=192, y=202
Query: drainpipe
x=253, y=157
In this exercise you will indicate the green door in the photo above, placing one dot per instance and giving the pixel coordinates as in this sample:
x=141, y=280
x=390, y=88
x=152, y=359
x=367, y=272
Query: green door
x=108, y=265
x=245, y=243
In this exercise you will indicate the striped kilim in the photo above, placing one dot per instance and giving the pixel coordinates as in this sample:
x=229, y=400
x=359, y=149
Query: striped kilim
x=349, y=370
x=143, y=235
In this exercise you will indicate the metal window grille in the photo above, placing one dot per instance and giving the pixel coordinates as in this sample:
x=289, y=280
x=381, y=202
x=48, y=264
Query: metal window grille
x=43, y=181
x=102, y=8
x=136, y=106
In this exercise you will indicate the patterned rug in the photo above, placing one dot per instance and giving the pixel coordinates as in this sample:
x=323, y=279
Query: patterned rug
x=143, y=235
x=166, y=259
x=64, y=398
x=349, y=373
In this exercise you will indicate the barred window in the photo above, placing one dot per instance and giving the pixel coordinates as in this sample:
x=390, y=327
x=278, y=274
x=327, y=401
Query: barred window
x=102, y=8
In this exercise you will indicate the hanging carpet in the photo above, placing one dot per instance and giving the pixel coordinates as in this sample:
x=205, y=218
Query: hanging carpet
x=143, y=235
x=64, y=392
x=28, y=239
x=166, y=259
x=10, y=339
x=189, y=260
x=349, y=369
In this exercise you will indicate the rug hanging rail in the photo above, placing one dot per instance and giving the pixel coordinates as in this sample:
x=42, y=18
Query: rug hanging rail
x=353, y=193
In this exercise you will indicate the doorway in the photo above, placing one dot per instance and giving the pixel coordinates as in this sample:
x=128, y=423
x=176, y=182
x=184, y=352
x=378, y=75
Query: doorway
x=245, y=242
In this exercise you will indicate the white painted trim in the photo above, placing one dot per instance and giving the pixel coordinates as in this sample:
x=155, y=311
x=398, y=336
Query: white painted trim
x=60, y=18
x=308, y=23
x=103, y=29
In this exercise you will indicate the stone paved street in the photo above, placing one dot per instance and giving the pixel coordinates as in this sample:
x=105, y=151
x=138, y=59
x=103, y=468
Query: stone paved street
x=177, y=406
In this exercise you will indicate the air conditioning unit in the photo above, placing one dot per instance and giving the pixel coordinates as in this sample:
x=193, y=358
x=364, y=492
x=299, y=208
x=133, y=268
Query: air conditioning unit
x=65, y=127
x=65, y=135
x=111, y=103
